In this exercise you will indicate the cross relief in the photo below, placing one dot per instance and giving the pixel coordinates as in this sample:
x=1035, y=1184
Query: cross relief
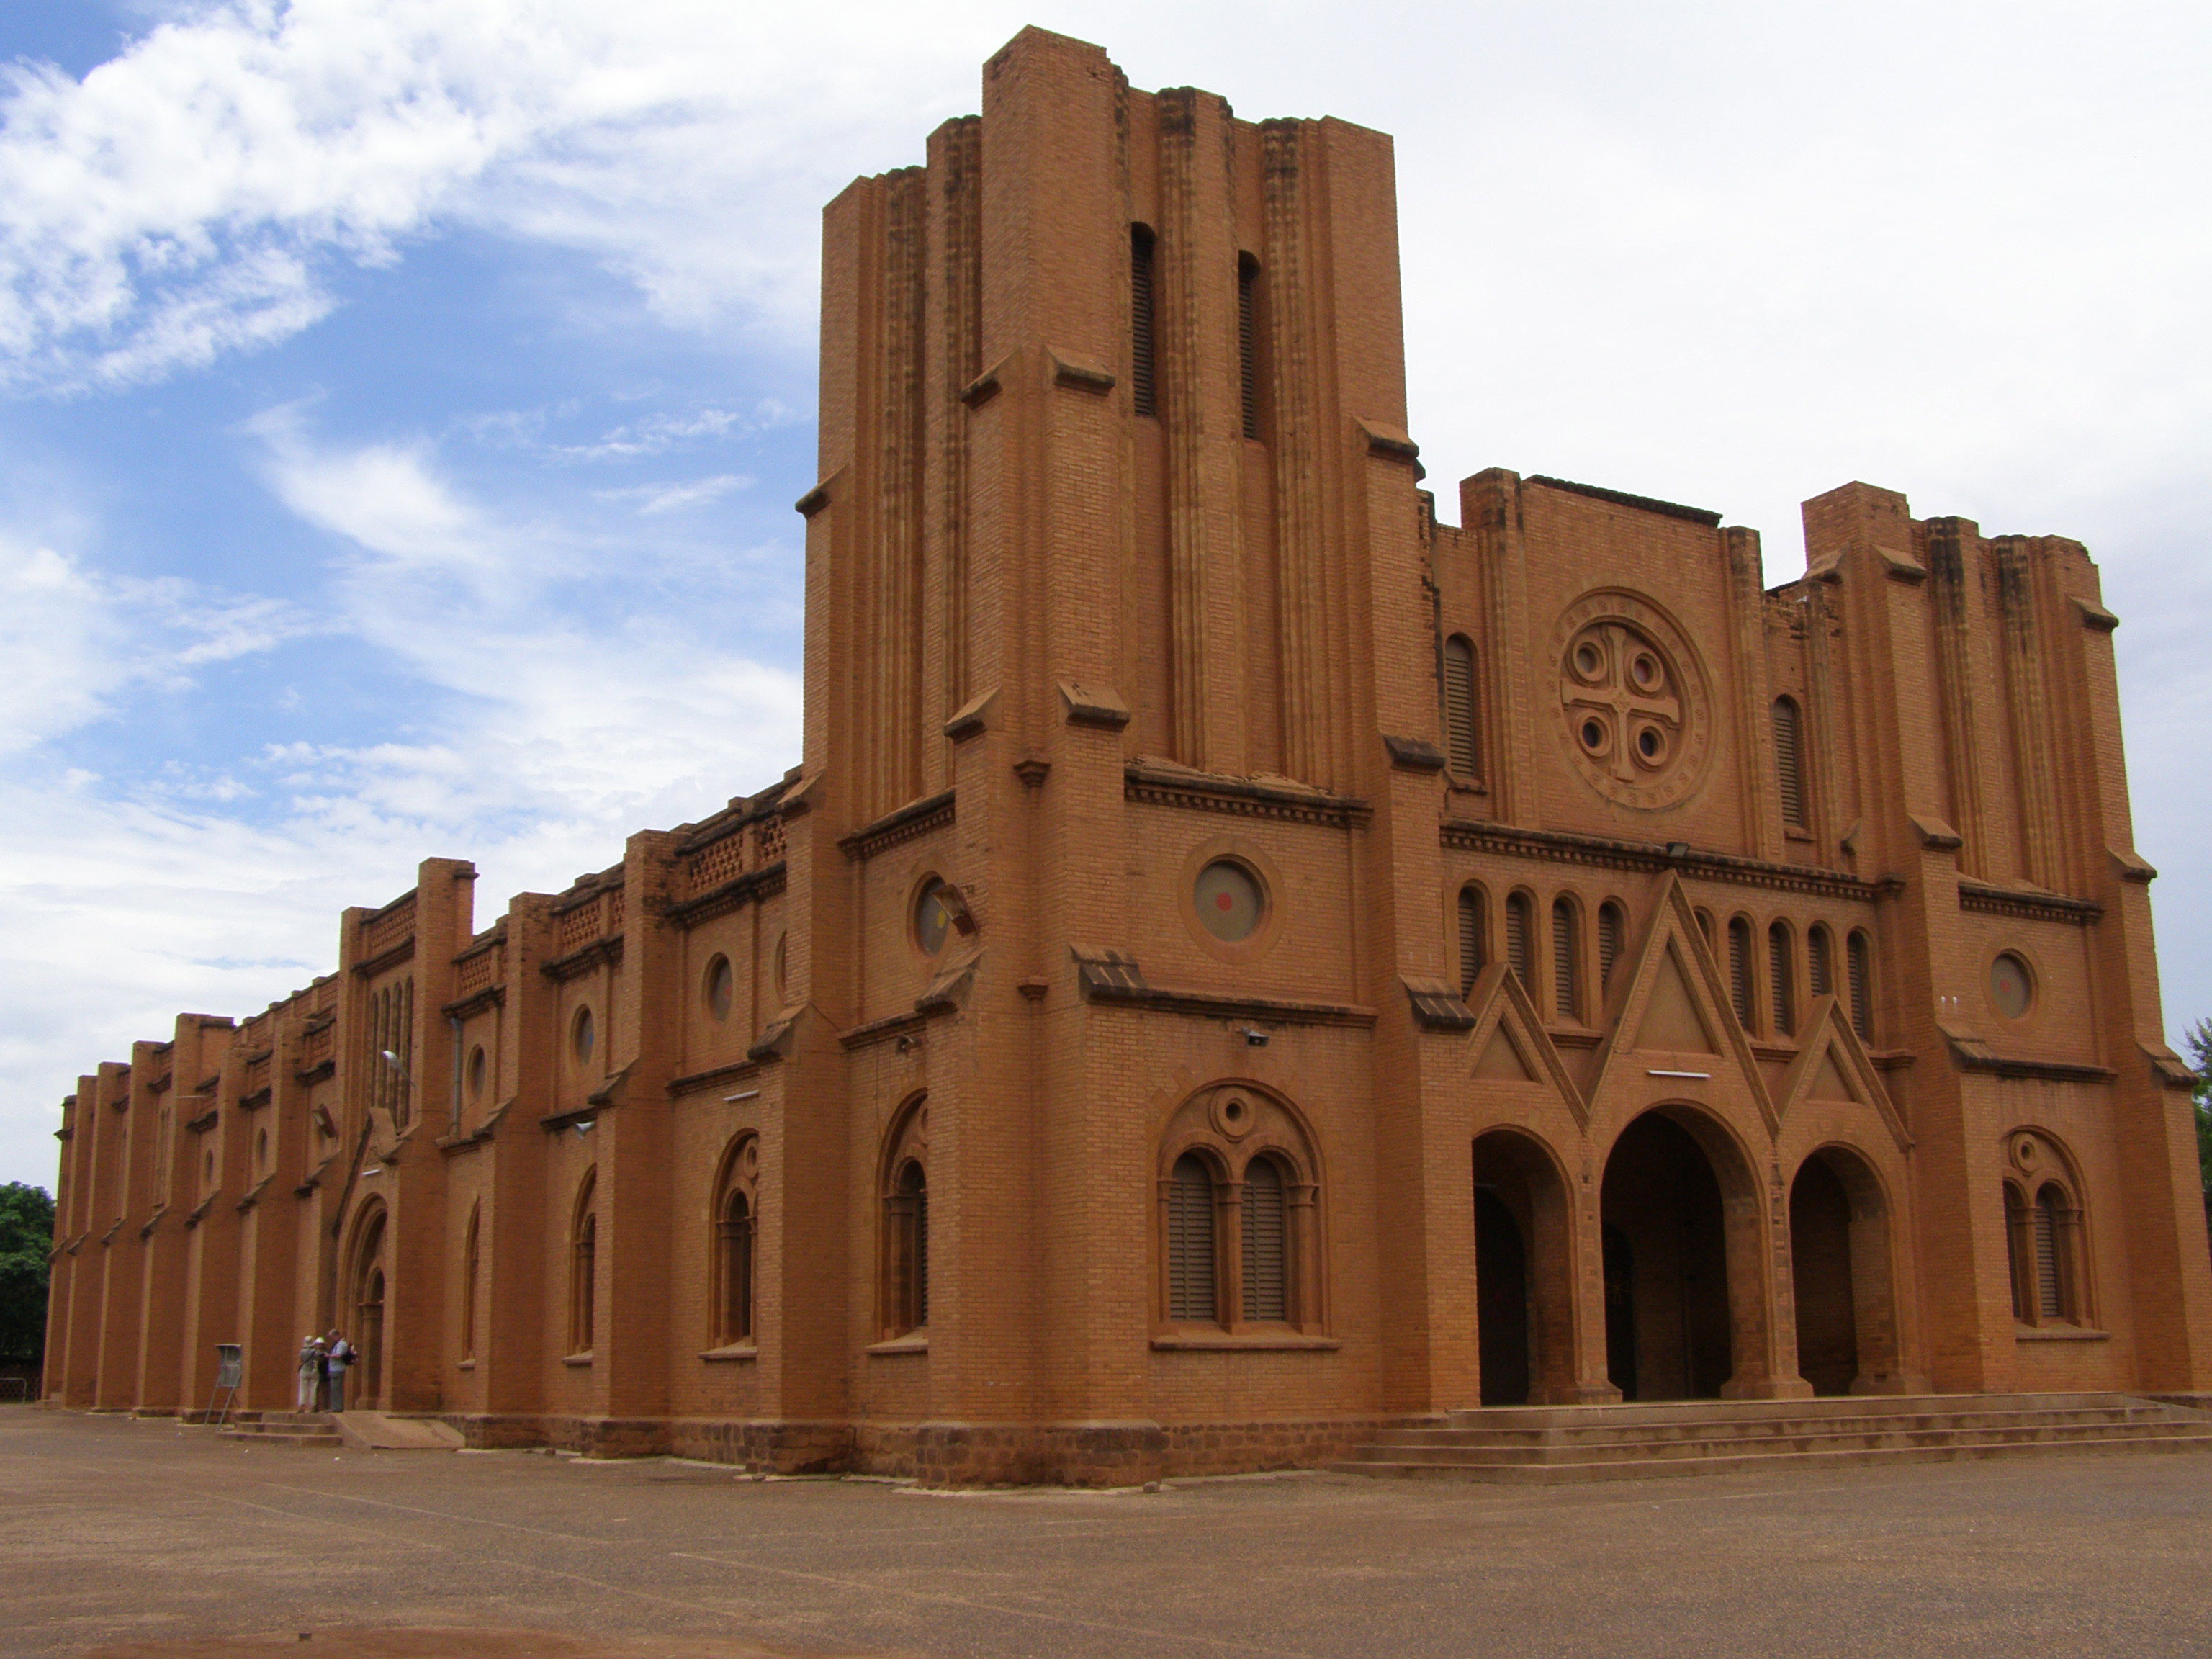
x=1620, y=701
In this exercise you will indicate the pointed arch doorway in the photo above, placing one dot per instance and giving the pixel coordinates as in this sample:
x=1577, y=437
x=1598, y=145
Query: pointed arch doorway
x=364, y=1310
x=1524, y=1272
x=1666, y=1227
x=1847, y=1335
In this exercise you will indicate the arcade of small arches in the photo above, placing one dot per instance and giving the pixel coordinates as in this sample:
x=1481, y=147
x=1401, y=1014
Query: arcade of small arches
x=1241, y=1252
x=1775, y=971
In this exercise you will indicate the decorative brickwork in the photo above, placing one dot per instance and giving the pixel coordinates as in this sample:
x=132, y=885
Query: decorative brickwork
x=1245, y=965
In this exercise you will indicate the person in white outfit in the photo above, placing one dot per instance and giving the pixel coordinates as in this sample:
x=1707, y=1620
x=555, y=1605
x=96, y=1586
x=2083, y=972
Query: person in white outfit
x=310, y=1371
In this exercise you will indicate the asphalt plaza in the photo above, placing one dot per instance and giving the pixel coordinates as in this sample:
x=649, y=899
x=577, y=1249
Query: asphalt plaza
x=141, y=1537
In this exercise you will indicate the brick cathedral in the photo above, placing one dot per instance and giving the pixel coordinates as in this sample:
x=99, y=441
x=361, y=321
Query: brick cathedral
x=1242, y=963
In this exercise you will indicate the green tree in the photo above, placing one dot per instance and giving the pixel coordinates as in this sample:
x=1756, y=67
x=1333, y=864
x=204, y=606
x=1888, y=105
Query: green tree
x=26, y=1238
x=2199, y=1042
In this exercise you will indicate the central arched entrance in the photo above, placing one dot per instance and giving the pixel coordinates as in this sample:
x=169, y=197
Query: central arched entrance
x=1523, y=1273
x=1665, y=1226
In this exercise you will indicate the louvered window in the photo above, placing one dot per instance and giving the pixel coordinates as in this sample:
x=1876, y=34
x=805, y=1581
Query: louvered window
x=1566, y=971
x=1459, y=706
x=1248, y=342
x=1267, y=1268
x=1611, y=925
x=1818, y=948
x=736, y=1269
x=1790, y=762
x=1519, y=939
x=2051, y=1291
x=1470, y=938
x=1862, y=973
x=2016, y=1240
x=1142, y=364
x=1740, y=968
x=583, y=1288
x=1782, y=982
x=1190, y=1241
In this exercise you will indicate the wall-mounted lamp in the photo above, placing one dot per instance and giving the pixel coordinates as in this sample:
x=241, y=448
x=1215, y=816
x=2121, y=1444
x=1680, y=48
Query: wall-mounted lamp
x=1254, y=1036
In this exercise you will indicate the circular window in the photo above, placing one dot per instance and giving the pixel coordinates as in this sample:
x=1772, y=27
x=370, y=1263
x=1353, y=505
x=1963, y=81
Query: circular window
x=931, y=919
x=581, y=1034
x=721, y=988
x=477, y=1066
x=1230, y=904
x=2012, y=988
x=1589, y=662
x=1595, y=735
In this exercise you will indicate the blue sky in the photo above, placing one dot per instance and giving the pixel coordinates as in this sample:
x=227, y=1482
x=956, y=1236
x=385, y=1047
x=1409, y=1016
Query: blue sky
x=401, y=403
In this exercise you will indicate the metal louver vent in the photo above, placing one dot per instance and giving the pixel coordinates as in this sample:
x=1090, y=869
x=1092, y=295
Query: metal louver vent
x=1609, y=930
x=1516, y=937
x=1739, y=969
x=1777, y=964
x=1248, y=345
x=1789, y=762
x=1190, y=1241
x=1861, y=988
x=2050, y=1293
x=1142, y=356
x=1459, y=707
x=1470, y=938
x=1564, y=977
x=1266, y=1276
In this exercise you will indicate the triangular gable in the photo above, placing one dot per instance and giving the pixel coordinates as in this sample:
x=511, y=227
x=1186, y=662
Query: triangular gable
x=1831, y=1064
x=1676, y=993
x=1508, y=1035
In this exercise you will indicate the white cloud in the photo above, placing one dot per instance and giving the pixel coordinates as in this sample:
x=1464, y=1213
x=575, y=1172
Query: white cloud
x=653, y=499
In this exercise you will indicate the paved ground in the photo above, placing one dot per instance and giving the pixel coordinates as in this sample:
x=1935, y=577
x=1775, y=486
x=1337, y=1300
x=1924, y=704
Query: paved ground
x=143, y=1538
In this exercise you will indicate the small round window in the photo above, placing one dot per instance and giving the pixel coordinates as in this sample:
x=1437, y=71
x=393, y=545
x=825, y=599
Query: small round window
x=581, y=1034
x=477, y=1066
x=1230, y=904
x=721, y=988
x=931, y=917
x=2012, y=988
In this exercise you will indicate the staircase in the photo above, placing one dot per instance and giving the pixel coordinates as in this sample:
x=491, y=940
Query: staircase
x=287, y=1429
x=1547, y=1445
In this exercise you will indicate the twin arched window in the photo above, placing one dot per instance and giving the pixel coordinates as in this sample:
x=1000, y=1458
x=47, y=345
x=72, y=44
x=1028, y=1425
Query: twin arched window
x=2043, y=1247
x=1238, y=1224
x=903, y=1277
x=736, y=1216
x=583, y=1265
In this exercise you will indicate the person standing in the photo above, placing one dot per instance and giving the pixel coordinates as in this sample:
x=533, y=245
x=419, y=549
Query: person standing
x=310, y=1371
x=337, y=1358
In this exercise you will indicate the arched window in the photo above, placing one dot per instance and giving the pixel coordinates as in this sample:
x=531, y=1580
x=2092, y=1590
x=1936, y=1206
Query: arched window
x=736, y=1220
x=1858, y=954
x=1612, y=935
x=1473, y=924
x=1789, y=761
x=471, y=1259
x=1143, y=361
x=2019, y=1255
x=1520, y=938
x=1266, y=1267
x=1239, y=1216
x=1248, y=342
x=1820, y=959
x=1705, y=926
x=904, y=1274
x=1739, y=991
x=1566, y=961
x=2054, y=1264
x=1781, y=948
x=1192, y=1293
x=583, y=1266
x=1460, y=747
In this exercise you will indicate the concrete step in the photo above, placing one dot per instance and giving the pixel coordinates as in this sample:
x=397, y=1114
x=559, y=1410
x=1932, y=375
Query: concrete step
x=289, y=1429
x=1660, y=1467
x=385, y=1431
x=1603, y=1443
x=1634, y=1451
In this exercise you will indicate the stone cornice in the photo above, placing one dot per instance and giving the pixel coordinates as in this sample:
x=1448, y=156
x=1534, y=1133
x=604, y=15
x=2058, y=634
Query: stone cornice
x=1157, y=783
x=915, y=818
x=1563, y=847
x=2030, y=907
x=752, y=887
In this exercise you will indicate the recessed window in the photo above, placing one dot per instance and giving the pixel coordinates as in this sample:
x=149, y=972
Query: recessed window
x=478, y=1066
x=2012, y=988
x=1229, y=901
x=582, y=1034
x=721, y=988
x=931, y=919
x=782, y=942
x=261, y=1148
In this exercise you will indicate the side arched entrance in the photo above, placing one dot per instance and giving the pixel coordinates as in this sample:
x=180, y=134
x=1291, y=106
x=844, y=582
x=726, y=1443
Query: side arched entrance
x=1839, y=1252
x=1688, y=1313
x=362, y=1310
x=1524, y=1272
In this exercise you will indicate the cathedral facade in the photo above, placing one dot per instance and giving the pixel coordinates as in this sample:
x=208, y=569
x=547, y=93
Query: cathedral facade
x=1242, y=962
